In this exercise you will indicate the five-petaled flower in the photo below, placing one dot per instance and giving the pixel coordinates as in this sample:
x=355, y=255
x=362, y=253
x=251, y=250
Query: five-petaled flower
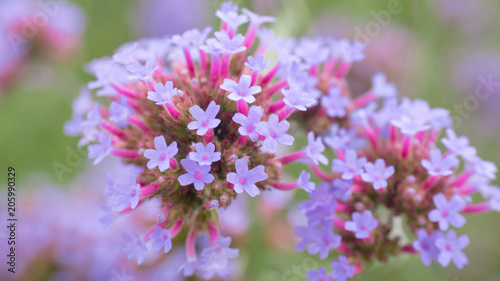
x=204, y=120
x=161, y=155
x=274, y=132
x=362, y=224
x=244, y=179
x=196, y=174
x=447, y=212
x=241, y=90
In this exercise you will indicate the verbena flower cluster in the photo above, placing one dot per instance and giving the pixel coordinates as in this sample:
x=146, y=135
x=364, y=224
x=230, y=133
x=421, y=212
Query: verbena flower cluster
x=203, y=118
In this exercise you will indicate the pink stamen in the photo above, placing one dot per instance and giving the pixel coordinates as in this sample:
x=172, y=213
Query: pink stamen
x=276, y=106
x=149, y=190
x=363, y=100
x=477, y=208
x=189, y=61
x=242, y=107
x=173, y=111
x=285, y=186
x=131, y=154
x=190, y=245
x=292, y=157
x=139, y=124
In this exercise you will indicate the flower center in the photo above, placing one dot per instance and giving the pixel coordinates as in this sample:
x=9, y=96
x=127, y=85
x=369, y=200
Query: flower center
x=448, y=247
x=242, y=181
x=444, y=213
x=198, y=175
x=163, y=157
x=249, y=128
x=204, y=158
x=204, y=123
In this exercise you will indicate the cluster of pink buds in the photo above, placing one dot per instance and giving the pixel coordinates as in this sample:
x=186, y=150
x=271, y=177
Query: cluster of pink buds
x=202, y=117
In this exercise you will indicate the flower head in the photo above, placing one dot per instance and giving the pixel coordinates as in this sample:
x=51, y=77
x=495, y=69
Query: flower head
x=362, y=224
x=205, y=155
x=244, y=179
x=249, y=123
x=450, y=249
x=257, y=63
x=351, y=166
x=377, y=173
x=196, y=174
x=447, y=212
x=274, y=132
x=161, y=239
x=204, y=120
x=297, y=98
x=438, y=165
x=241, y=90
x=334, y=103
x=341, y=269
x=161, y=155
x=163, y=94
x=426, y=245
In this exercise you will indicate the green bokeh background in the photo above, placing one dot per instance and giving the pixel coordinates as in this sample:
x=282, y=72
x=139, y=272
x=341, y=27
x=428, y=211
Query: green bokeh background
x=33, y=111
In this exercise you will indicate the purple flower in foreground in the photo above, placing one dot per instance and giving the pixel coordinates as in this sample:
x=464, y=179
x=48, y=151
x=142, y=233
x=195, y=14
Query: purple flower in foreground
x=249, y=124
x=320, y=275
x=241, y=90
x=134, y=247
x=304, y=181
x=342, y=189
x=426, y=245
x=205, y=155
x=341, y=269
x=101, y=149
x=377, y=173
x=142, y=72
x=451, y=247
x=324, y=240
x=409, y=126
x=315, y=148
x=438, y=165
x=459, y=145
x=362, y=224
x=381, y=88
x=197, y=174
x=123, y=193
x=334, y=103
x=163, y=94
x=216, y=258
x=229, y=45
x=274, y=131
x=447, y=213
x=161, y=155
x=244, y=179
x=257, y=64
x=120, y=111
x=205, y=120
x=231, y=18
x=297, y=98
x=161, y=239
x=351, y=167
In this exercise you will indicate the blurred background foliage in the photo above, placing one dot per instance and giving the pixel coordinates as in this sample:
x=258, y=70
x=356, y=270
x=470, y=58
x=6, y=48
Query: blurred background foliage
x=433, y=50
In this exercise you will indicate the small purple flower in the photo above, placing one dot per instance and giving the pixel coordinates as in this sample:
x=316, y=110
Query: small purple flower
x=447, y=213
x=320, y=275
x=297, y=98
x=205, y=120
x=304, y=182
x=315, y=148
x=101, y=149
x=335, y=104
x=362, y=224
x=231, y=18
x=381, y=88
x=323, y=241
x=257, y=64
x=312, y=51
x=426, y=245
x=241, y=90
x=123, y=193
x=459, y=145
x=346, y=51
x=341, y=269
x=216, y=258
x=249, y=124
x=484, y=168
x=451, y=247
x=344, y=139
x=134, y=247
x=161, y=155
x=321, y=195
x=161, y=239
x=438, y=166
x=244, y=179
x=274, y=131
x=142, y=72
x=351, y=167
x=197, y=174
x=342, y=189
x=377, y=173
x=163, y=94
x=229, y=45
x=257, y=20
x=205, y=155
x=120, y=111
x=410, y=126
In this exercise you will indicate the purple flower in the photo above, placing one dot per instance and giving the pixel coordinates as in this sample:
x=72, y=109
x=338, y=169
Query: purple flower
x=439, y=166
x=241, y=90
x=321, y=214
x=274, y=132
x=101, y=149
x=342, y=189
x=334, y=103
x=204, y=119
x=447, y=212
x=257, y=20
x=320, y=241
x=161, y=155
x=351, y=167
x=257, y=64
x=349, y=53
x=377, y=173
x=163, y=94
x=134, y=247
x=231, y=18
x=345, y=139
x=485, y=169
x=426, y=245
x=205, y=155
x=315, y=148
x=304, y=182
x=249, y=124
x=197, y=174
x=142, y=72
x=297, y=98
x=120, y=111
x=161, y=239
x=123, y=193
x=320, y=275
x=451, y=247
x=321, y=195
x=410, y=126
x=362, y=224
x=459, y=145
x=216, y=258
x=312, y=51
x=341, y=269
x=381, y=88
x=229, y=45
x=244, y=179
